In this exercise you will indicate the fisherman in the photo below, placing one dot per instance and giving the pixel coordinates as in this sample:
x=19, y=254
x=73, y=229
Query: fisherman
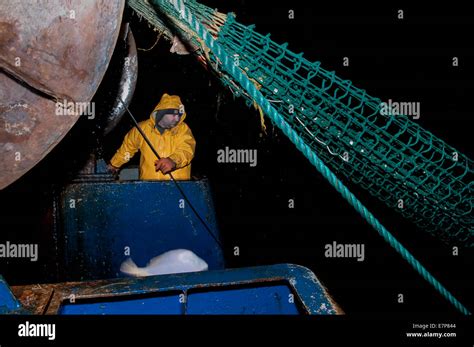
x=171, y=138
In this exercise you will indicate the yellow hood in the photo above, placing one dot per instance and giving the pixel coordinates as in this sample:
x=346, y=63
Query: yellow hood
x=168, y=101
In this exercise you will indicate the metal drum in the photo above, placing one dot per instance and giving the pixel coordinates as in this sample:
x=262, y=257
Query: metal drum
x=52, y=55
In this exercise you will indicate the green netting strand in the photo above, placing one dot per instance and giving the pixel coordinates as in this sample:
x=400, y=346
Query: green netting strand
x=246, y=84
x=396, y=160
x=392, y=157
x=331, y=104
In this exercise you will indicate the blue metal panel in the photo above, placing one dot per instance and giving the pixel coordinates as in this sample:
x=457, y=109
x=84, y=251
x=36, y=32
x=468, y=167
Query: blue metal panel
x=8, y=302
x=265, y=298
x=278, y=289
x=101, y=219
x=160, y=304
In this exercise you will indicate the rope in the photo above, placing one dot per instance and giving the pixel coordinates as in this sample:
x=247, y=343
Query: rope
x=228, y=65
x=149, y=49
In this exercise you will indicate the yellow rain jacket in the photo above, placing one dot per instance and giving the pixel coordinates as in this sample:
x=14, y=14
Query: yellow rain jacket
x=177, y=143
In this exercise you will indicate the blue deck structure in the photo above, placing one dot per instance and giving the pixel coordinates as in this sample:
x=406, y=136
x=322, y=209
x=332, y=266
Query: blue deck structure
x=8, y=302
x=99, y=222
x=277, y=289
x=103, y=223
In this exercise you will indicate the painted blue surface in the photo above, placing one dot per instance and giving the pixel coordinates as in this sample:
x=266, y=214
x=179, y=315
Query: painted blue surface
x=266, y=298
x=162, y=304
x=8, y=302
x=277, y=289
x=261, y=299
x=100, y=220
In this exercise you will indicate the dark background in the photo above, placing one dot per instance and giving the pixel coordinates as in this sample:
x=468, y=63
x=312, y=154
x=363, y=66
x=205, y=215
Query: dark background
x=404, y=60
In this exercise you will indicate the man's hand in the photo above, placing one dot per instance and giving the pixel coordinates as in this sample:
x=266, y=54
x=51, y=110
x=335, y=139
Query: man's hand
x=112, y=169
x=166, y=165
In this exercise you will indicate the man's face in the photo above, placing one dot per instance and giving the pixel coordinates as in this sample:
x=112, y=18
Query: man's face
x=169, y=121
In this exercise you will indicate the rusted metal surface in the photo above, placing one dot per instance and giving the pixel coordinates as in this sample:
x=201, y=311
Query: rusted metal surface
x=49, y=51
x=128, y=80
x=29, y=129
x=64, y=46
x=36, y=298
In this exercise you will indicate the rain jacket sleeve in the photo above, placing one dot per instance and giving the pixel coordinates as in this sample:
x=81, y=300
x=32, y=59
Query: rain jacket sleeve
x=131, y=144
x=185, y=146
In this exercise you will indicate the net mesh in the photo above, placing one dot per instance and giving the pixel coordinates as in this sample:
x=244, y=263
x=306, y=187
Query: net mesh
x=391, y=156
